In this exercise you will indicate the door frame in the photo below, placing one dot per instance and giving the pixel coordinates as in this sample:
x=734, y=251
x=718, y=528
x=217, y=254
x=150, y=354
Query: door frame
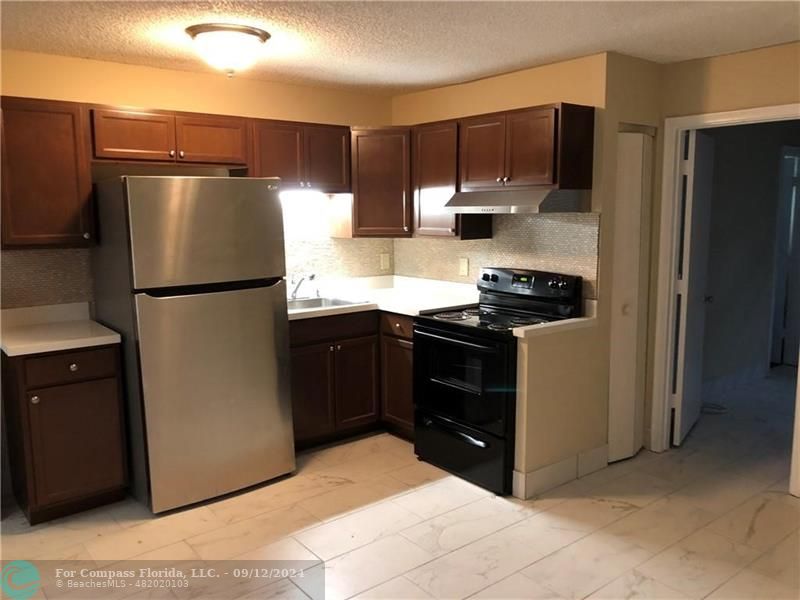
x=669, y=235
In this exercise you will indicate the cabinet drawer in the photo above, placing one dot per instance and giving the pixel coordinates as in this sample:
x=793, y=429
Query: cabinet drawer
x=303, y=332
x=398, y=325
x=67, y=367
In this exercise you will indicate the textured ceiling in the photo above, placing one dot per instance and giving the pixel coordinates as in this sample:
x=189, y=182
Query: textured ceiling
x=396, y=46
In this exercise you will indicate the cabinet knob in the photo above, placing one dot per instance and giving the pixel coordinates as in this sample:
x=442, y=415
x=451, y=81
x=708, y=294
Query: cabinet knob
x=499, y=180
x=302, y=184
x=73, y=367
x=331, y=348
x=506, y=179
x=172, y=153
x=405, y=227
x=181, y=154
x=86, y=235
x=34, y=399
x=338, y=346
x=397, y=325
x=308, y=184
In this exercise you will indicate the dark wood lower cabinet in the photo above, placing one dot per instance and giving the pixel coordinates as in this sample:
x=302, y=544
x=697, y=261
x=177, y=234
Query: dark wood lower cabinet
x=313, y=391
x=357, y=382
x=66, y=440
x=335, y=376
x=347, y=378
x=397, y=359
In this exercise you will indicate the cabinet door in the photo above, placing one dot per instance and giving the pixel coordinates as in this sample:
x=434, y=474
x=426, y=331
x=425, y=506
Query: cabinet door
x=381, y=182
x=397, y=382
x=313, y=391
x=530, y=147
x=482, y=152
x=76, y=440
x=327, y=158
x=435, y=154
x=206, y=139
x=278, y=152
x=46, y=183
x=133, y=135
x=356, y=382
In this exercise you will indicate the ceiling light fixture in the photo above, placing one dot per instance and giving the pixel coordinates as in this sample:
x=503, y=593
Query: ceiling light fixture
x=230, y=48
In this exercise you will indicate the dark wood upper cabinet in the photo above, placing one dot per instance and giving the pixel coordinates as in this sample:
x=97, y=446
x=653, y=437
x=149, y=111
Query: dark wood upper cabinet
x=482, y=152
x=357, y=382
x=540, y=146
x=530, y=147
x=434, y=153
x=210, y=139
x=133, y=135
x=381, y=182
x=313, y=391
x=327, y=158
x=304, y=156
x=46, y=183
x=278, y=152
x=163, y=136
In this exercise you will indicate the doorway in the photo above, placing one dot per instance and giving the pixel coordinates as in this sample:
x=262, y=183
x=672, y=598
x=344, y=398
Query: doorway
x=718, y=264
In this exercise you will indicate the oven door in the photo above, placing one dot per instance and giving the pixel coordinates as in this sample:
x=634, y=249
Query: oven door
x=465, y=378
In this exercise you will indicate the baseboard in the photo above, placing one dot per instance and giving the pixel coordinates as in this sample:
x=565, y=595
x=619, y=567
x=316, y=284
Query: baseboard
x=592, y=460
x=533, y=483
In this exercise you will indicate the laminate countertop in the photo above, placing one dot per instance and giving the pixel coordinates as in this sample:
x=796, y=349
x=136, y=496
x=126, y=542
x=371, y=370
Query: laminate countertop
x=37, y=329
x=411, y=295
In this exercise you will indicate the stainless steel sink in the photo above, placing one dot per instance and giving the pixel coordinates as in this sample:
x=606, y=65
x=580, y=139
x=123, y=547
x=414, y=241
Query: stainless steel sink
x=318, y=303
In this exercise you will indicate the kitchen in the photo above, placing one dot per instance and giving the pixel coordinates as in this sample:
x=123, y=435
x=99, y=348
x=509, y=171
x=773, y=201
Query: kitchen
x=358, y=243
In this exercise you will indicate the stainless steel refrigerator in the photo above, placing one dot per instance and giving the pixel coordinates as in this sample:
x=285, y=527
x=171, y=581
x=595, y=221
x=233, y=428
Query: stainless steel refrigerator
x=190, y=270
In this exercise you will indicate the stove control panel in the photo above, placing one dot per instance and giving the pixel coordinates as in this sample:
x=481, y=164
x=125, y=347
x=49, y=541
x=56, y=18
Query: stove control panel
x=529, y=283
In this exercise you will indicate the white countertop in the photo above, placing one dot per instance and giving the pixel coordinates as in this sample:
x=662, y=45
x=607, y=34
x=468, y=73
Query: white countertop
x=36, y=329
x=390, y=293
x=410, y=295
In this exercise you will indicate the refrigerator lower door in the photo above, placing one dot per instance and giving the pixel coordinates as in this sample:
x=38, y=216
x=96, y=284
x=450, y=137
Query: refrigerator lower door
x=215, y=382
x=196, y=230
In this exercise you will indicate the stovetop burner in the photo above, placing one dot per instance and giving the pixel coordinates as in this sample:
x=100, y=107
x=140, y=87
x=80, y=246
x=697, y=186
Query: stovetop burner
x=475, y=312
x=498, y=326
x=452, y=316
x=523, y=321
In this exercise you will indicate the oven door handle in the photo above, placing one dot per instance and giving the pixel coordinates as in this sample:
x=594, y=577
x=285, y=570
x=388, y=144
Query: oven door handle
x=464, y=437
x=453, y=341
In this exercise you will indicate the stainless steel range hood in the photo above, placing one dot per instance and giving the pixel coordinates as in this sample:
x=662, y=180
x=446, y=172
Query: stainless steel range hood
x=520, y=201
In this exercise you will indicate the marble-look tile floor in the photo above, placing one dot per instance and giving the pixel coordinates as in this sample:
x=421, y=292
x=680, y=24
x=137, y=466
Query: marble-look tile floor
x=711, y=519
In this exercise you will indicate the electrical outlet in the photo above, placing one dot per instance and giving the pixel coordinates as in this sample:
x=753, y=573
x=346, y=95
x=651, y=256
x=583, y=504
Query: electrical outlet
x=463, y=267
x=385, y=266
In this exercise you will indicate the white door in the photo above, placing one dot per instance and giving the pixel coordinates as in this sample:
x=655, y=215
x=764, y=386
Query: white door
x=698, y=168
x=629, y=296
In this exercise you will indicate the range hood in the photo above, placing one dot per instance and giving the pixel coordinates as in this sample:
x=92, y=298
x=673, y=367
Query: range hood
x=546, y=200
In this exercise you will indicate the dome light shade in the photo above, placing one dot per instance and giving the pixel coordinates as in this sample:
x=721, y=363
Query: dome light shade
x=229, y=48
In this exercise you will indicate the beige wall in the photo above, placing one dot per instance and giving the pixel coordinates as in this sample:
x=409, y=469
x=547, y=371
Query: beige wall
x=80, y=80
x=763, y=77
x=581, y=81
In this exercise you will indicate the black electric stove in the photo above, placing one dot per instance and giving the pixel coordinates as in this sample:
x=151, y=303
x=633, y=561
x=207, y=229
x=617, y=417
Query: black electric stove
x=513, y=298
x=465, y=371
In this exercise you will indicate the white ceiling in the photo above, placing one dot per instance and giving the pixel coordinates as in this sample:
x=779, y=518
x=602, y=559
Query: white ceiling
x=389, y=47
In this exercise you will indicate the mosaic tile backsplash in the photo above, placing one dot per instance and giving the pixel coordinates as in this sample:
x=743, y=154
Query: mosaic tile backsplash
x=565, y=243
x=36, y=277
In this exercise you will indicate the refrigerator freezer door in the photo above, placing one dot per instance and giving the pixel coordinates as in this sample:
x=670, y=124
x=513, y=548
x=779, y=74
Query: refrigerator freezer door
x=195, y=230
x=215, y=382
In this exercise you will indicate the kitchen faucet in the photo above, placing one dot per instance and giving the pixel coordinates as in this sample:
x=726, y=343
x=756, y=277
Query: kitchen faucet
x=310, y=277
